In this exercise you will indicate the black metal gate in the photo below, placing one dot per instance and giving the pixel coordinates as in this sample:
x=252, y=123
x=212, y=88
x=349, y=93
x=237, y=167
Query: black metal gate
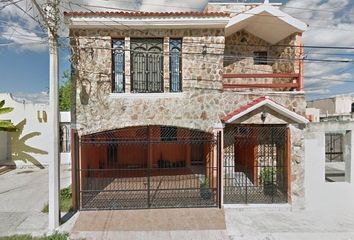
x=255, y=164
x=148, y=167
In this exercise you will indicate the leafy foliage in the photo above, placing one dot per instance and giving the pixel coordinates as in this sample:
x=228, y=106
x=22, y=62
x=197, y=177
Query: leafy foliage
x=6, y=125
x=65, y=201
x=267, y=175
x=55, y=236
x=65, y=93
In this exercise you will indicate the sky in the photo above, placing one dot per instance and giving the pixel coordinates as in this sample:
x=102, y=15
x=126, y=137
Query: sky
x=24, y=57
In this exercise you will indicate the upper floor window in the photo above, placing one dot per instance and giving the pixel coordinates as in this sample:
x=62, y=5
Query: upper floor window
x=118, y=66
x=146, y=65
x=175, y=65
x=260, y=58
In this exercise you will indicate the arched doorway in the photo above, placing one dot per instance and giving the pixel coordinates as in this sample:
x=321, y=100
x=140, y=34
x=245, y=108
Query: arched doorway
x=148, y=167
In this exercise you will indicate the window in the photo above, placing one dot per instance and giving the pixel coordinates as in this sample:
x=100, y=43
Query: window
x=175, y=65
x=118, y=66
x=352, y=107
x=260, y=58
x=146, y=65
x=168, y=134
x=337, y=163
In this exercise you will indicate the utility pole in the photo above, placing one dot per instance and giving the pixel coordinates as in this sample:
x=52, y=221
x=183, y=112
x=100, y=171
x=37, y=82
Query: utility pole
x=51, y=20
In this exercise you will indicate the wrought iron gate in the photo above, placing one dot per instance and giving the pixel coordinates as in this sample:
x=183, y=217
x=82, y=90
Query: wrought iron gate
x=255, y=164
x=148, y=167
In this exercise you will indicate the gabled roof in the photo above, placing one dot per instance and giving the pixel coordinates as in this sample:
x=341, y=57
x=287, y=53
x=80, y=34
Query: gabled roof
x=260, y=102
x=266, y=22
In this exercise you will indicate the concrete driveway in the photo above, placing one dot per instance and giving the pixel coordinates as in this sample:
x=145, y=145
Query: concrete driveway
x=23, y=194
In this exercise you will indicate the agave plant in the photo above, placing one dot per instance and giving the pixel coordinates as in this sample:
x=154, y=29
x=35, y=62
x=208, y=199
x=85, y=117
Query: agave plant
x=6, y=125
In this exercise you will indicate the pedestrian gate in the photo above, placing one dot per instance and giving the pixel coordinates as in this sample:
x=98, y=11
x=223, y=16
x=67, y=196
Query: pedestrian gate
x=255, y=164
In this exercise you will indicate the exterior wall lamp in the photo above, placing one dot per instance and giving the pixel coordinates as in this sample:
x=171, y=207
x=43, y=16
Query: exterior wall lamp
x=90, y=52
x=204, y=52
x=264, y=116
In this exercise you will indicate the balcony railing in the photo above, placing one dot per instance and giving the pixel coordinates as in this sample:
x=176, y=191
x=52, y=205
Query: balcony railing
x=295, y=84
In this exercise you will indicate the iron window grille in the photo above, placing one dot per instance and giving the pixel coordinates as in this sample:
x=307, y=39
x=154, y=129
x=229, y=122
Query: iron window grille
x=118, y=72
x=334, y=147
x=147, y=65
x=260, y=58
x=175, y=65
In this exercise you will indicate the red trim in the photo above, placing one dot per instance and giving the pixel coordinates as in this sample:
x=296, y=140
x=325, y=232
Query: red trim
x=261, y=75
x=243, y=108
x=261, y=85
x=296, y=76
x=147, y=14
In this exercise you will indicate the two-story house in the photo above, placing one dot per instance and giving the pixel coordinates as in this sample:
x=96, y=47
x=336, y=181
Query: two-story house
x=187, y=109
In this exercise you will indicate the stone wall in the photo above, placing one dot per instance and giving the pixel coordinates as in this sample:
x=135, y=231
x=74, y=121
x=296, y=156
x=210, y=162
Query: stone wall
x=239, y=57
x=202, y=103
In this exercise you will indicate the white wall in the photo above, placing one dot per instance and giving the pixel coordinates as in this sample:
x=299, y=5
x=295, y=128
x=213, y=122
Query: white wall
x=343, y=104
x=318, y=193
x=32, y=142
x=313, y=114
x=3, y=146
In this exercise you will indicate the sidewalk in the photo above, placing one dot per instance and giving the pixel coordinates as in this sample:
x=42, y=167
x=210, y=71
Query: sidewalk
x=164, y=224
x=289, y=225
x=23, y=194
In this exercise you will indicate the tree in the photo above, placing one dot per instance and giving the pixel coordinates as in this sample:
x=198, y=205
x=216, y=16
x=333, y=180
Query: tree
x=65, y=93
x=6, y=125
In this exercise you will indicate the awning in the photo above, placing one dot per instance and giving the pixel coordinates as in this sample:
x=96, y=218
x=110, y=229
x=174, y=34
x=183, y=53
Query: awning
x=266, y=22
x=264, y=102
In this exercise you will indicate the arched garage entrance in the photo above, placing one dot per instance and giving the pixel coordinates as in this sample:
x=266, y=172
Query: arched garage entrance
x=148, y=167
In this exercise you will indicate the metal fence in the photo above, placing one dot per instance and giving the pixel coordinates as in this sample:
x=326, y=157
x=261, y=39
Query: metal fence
x=148, y=167
x=255, y=168
x=64, y=144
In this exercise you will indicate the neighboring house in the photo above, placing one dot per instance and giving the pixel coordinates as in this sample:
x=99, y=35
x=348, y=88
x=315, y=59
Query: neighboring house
x=337, y=108
x=187, y=109
x=30, y=144
x=330, y=134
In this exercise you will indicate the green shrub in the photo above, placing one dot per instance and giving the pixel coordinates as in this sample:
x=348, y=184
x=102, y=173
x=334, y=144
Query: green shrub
x=267, y=175
x=55, y=236
x=65, y=201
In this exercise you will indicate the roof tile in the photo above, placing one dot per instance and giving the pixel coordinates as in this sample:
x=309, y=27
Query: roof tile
x=146, y=14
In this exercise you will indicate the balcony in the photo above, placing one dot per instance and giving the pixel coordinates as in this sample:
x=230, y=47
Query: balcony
x=295, y=84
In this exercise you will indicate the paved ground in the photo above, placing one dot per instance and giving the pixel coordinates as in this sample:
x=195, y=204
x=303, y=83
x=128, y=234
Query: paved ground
x=248, y=224
x=154, y=224
x=23, y=194
x=289, y=225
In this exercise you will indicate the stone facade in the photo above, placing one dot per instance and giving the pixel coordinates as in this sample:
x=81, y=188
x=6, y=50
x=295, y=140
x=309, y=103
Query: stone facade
x=201, y=104
x=239, y=57
x=203, y=101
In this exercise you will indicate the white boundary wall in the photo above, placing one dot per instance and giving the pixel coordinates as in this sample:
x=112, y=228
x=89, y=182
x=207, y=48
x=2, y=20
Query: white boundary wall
x=3, y=146
x=33, y=141
x=18, y=149
x=337, y=196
